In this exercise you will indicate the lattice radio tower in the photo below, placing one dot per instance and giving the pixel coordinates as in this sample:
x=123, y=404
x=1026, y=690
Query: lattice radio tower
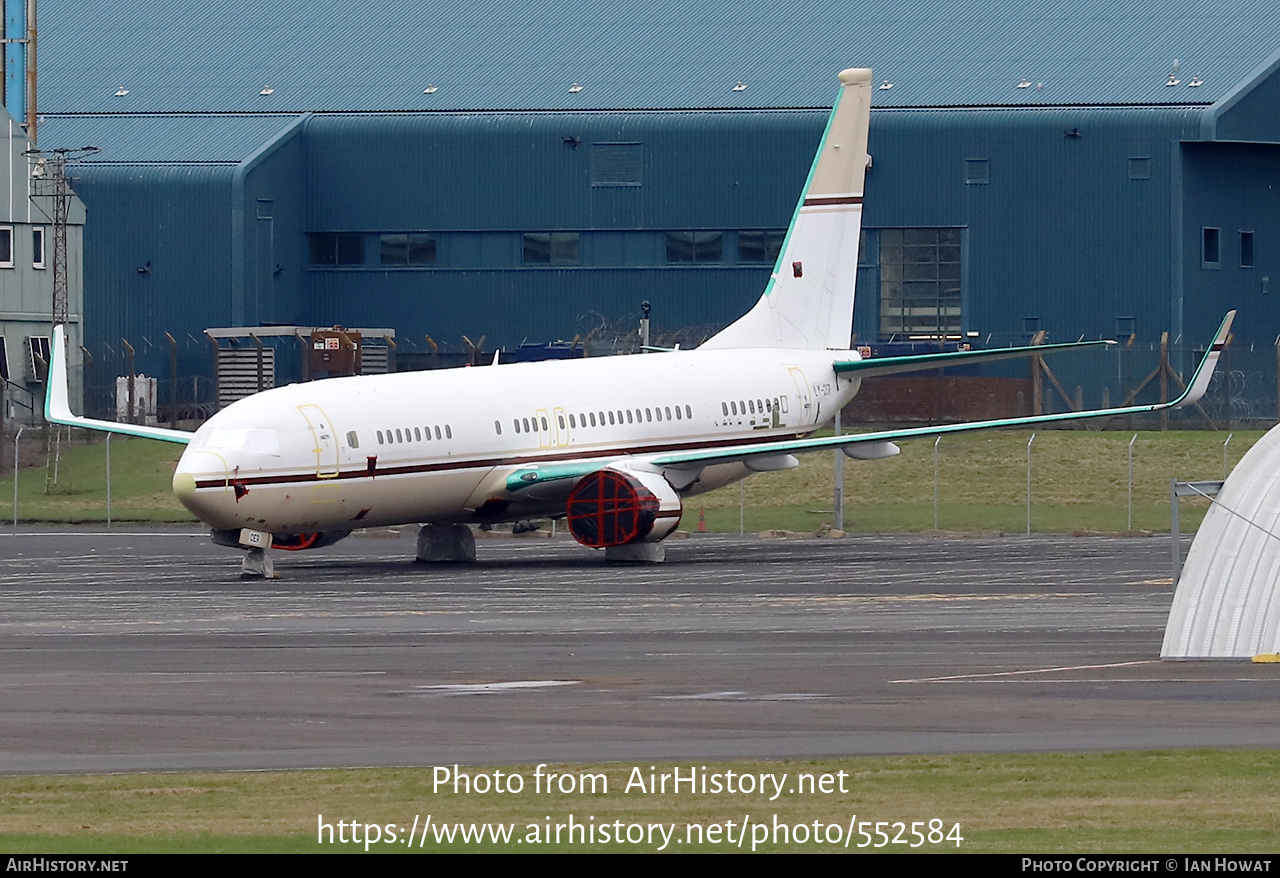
x=50, y=180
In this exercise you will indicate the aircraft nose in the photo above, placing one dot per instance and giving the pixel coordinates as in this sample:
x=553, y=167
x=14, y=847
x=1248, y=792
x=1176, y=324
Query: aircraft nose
x=209, y=503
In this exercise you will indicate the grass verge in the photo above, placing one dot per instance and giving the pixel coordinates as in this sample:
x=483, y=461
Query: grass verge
x=1134, y=802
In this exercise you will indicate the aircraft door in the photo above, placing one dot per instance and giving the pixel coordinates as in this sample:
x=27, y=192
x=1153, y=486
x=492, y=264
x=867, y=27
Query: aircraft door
x=561, y=426
x=804, y=412
x=326, y=442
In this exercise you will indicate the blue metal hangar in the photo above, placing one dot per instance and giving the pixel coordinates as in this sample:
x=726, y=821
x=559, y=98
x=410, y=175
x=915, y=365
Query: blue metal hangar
x=537, y=170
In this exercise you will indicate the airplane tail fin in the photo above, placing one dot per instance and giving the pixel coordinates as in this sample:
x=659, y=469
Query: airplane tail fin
x=808, y=303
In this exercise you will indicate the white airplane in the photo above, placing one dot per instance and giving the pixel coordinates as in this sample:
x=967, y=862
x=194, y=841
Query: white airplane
x=612, y=444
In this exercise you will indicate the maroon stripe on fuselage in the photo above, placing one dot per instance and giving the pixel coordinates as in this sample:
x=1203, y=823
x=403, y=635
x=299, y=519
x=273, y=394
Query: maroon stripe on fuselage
x=485, y=463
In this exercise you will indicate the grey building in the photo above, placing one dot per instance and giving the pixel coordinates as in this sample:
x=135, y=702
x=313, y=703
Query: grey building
x=27, y=243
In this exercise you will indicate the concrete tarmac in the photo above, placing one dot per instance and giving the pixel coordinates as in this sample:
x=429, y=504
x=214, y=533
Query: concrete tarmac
x=130, y=650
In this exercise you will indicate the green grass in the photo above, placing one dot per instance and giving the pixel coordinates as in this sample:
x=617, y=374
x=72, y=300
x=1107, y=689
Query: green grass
x=141, y=481
x=1079, y=484
x=1167, y=802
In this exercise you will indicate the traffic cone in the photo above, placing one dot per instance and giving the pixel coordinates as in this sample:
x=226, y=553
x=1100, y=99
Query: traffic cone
x=702, y=522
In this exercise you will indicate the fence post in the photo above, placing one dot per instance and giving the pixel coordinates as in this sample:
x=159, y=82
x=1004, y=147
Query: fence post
x=839, y=480
x=935, y=482
x=108, y=480
x=1131, y=441
x=17, y=443
x=1029, y=441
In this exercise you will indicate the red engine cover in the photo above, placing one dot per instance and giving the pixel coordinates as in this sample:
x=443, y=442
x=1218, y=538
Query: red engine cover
x=612, y=508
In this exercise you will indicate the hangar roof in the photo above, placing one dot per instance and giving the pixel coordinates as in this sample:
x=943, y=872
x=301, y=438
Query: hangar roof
x=218, y=56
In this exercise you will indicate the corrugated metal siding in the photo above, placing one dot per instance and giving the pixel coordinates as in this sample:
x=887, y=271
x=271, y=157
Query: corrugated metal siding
x=176, y=219
x=1059, y=223
x=475, y=172
x=325, y=55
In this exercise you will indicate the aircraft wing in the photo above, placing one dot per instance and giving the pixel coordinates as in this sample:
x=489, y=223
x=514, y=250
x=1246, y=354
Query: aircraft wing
x=876, y=366
x=57, y=406
x=531, y=475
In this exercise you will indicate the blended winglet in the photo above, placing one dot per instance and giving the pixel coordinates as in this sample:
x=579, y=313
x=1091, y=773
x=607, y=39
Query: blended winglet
x=57, y=401
x=1204, y=372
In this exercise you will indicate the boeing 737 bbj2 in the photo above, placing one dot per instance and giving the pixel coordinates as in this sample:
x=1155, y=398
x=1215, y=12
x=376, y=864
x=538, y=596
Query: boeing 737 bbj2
x=612, y=444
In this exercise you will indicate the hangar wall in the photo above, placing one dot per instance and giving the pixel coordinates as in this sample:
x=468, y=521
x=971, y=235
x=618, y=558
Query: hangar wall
x=1079, y=221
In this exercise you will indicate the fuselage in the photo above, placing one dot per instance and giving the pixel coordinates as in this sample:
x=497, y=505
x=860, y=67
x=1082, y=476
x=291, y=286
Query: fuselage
x=439, y=446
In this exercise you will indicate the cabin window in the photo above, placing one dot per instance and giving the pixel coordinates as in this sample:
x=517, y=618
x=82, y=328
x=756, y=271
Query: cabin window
x=724, y=409
x=560, y=421
x=417, y=434
x=573, y=422
x=658, y=410
x=497, y=428
x=648, y=415
x=668, y=412
x=688, y=412
x=611, y=420
x=353, y=441
x=679, y=414
x=426, y=431
x=544, y=423
x=593, y=419
x=399, y=437
x=448, y=432
x=379, y=437
x=525, y=421
x=629, y=416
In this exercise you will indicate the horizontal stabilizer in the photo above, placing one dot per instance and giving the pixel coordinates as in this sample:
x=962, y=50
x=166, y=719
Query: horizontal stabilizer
x=876, y=366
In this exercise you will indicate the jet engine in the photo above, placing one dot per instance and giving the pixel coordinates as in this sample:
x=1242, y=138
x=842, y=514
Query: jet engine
x=613, y=507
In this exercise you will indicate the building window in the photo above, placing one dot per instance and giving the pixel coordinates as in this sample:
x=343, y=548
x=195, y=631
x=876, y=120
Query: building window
x=336, y=248
x=410, y=249
x=6, y=246
x=695, y=246
x=551, y=248
x=920, y=282
x=1246, y=249
x=1210, y=250
x=977, y=171
x=37, y=247
x=760, y=246
x=1139, y=168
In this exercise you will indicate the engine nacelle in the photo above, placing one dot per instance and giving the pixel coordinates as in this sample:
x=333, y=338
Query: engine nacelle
x=613, y=507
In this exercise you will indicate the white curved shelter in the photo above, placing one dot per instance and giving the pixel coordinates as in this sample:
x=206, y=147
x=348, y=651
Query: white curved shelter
x=1227, y=604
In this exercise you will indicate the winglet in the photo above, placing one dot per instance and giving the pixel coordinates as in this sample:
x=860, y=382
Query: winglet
x=1204, y=372
x=57, y=402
